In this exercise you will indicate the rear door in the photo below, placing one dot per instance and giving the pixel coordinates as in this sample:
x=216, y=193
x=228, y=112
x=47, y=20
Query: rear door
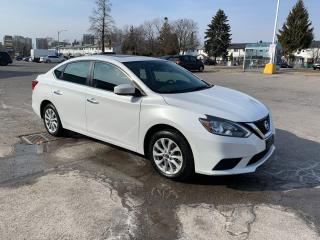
x=69, y=94
x=112, y=117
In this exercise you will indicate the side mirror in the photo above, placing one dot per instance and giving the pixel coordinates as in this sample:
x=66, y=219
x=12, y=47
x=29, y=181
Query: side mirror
x=124, y=89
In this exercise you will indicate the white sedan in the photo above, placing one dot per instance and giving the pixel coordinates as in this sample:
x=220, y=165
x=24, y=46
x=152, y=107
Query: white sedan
x=156, y=108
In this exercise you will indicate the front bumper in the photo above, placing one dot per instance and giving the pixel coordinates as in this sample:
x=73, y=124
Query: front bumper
x=247, y=153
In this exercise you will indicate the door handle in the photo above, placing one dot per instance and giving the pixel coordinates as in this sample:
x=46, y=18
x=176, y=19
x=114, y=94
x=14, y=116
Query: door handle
x=57, y=92
x=92, y=100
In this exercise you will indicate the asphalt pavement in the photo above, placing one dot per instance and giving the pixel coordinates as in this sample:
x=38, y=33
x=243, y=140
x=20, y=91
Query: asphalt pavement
x=79, y=188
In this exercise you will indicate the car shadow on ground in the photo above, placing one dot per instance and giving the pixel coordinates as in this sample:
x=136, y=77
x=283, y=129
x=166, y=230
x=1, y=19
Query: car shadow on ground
x=295, y=164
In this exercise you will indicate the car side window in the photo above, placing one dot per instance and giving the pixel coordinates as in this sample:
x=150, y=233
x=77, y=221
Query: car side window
x=77, y=72
x=106, y=76
x=193, y=59
x=58, y=72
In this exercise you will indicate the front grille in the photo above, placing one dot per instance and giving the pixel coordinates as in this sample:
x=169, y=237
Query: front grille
x=263, y=125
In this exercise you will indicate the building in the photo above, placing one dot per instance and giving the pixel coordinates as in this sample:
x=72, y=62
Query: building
x=88, y=39
x=79, y=50
x=22, y=45
x=310, y=55
x=8, y=44
x=199, y=53
x=236, y=52
x=50, y=42
x=42, y=43
x=257, y=55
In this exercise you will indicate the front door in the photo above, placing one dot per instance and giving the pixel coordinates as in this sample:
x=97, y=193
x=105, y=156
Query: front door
x=112, y=117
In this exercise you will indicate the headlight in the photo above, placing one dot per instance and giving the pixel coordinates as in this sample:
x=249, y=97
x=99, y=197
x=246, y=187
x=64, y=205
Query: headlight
x=224, y=127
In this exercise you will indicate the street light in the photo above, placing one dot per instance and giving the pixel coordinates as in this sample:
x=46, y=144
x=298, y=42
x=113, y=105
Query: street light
x=274, y=33
x=270, y=68
x=60, y=31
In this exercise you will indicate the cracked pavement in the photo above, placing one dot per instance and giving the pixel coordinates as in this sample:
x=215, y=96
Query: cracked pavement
x=79, y=188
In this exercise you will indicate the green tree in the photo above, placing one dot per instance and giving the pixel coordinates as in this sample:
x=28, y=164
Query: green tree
x=168, y=39
x=217, y=36
x=296, y=33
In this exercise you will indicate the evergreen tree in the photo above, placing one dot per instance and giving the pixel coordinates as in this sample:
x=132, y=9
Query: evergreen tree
x=218, y=37
x=296, y=33
x=168, y=39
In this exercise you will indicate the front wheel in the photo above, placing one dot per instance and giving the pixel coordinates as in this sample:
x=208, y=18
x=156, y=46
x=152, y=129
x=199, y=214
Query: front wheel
x=52, y=121
x=171, y=155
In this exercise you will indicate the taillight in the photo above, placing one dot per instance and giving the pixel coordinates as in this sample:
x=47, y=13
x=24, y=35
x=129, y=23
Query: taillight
x=34, y=84
x=178, y=62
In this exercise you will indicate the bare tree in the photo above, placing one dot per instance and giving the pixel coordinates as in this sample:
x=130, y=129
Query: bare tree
x=151, y=31
x=102, y=22
x=186, y=31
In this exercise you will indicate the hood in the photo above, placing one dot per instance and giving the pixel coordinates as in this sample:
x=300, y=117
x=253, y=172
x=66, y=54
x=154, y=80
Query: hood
x=220, y=102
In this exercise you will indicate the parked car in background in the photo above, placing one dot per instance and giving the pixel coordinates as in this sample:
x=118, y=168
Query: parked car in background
x=187, y=61
x=209, y=62
x=159, y=109
x=284, y=64
x=27, y=59
x=316, y=66
x=19, y=58
x=5, y=59
x=51, y=59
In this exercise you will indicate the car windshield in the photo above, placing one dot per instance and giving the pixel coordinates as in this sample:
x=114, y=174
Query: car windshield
x=166, y=77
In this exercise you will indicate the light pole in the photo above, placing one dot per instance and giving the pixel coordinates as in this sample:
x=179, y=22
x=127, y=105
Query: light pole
x=271, y=67
x=274, y=34
x=60, y=31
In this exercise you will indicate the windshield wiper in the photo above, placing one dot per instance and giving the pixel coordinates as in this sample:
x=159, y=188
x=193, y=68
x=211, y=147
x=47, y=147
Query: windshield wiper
x=200, y=88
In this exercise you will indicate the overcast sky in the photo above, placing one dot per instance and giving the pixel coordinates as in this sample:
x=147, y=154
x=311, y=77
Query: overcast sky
x=250, y=20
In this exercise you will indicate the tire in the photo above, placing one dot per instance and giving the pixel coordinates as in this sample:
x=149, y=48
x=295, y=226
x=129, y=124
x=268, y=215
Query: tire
x=52, y=121
x=201, y=69
x=3, y=63
x=175, y=165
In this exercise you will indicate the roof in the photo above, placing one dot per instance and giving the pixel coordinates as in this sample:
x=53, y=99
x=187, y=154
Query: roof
x=237, y=46
x=315, y=44
x=119, y=58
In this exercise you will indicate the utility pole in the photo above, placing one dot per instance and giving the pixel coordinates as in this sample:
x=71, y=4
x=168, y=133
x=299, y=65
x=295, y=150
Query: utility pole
x=271, y=67
x=60, y=31
x=272, y=60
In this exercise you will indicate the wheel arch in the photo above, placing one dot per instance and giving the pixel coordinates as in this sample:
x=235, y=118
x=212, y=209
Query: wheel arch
x=160, y=127
x=43, y=104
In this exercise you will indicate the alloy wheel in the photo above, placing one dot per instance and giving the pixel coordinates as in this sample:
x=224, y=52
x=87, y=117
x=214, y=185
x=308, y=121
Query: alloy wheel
x=51, y=120
x=167, y=156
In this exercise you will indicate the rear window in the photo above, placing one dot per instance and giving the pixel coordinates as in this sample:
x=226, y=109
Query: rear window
x=58, y=72
x=76, y=72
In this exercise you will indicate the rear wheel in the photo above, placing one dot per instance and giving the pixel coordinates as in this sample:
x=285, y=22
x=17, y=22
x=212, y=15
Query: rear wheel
x=52, y=121
x=171, y=155
x=3, y=63
x=201, y=69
